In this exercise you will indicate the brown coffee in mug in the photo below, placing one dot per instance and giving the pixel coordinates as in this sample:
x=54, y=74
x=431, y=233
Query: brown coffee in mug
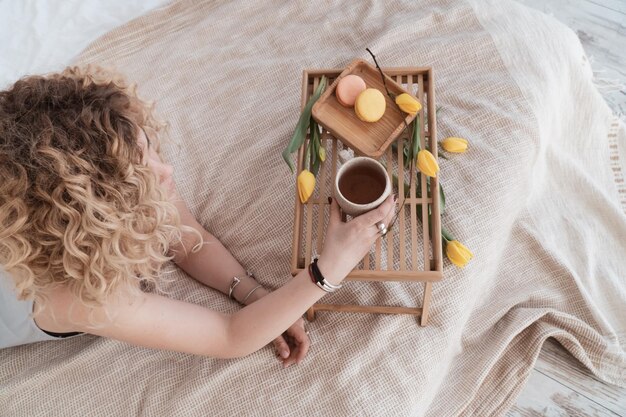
x=362, y=184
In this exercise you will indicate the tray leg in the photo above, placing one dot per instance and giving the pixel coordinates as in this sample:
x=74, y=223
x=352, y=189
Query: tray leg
x=310, y=314
x=426, y=304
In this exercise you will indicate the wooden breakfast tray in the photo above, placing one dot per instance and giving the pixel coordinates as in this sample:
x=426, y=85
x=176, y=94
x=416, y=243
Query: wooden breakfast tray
x=409, y=252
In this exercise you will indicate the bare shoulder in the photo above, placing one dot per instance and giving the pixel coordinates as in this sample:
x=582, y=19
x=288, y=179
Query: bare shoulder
x=142, y=319
x=53, y=316
x=65, y=312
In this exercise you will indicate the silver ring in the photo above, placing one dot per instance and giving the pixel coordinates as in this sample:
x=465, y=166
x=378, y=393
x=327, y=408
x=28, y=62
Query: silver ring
x=382, y=228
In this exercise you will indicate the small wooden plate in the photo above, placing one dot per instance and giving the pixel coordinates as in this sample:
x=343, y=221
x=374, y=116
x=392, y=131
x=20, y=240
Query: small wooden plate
x=367, y=139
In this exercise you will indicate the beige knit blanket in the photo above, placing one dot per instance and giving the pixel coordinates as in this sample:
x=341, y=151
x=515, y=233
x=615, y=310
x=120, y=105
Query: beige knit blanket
x=539, y=198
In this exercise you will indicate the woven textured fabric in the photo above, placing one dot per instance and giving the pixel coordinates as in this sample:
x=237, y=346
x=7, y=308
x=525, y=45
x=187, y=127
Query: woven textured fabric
x=539, y=198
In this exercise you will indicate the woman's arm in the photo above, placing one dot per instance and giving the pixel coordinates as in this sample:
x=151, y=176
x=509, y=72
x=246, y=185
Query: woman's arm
x=213, y=265
x=158, y=322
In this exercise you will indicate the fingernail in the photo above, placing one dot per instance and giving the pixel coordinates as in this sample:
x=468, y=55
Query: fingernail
x=284, y=354
x=330, y=200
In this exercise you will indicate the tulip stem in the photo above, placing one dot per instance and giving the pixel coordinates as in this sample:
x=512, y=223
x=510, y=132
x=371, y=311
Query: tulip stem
x=441, y=151
x=446, y=235
x=307, y=155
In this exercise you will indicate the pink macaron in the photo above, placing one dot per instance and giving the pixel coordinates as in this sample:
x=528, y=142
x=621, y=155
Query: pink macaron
x=348, y=88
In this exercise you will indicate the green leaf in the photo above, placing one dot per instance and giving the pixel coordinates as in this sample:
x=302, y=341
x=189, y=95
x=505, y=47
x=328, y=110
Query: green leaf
x=446, y=234
x=299, y=134
x=442, y=199
x=315, y=144
x=312, y=144
x=416, y=137
x=411, y=148
x=315, y=166
x=418, y=184
x=307, y=155
x=318, y=139
x=406, y=157
x=442, y=152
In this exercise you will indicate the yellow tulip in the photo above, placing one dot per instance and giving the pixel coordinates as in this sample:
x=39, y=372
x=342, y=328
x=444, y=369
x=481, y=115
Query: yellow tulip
x=408, y=104
x=306, y=185
x=458, y=253
x=427, y=163
x=456, y=145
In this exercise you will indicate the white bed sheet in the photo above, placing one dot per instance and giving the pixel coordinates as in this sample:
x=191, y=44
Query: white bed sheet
x=40, y=36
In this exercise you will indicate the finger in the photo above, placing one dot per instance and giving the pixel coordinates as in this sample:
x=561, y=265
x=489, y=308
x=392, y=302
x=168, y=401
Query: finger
x=297, y=331
x=300, y=342
x=387, y=220
x=292, y=357
x=282, y=348
x=376, y=215
x=303, y=349
x=295, y=336
x=299, y=350
x=289, y=361
x=335, y=216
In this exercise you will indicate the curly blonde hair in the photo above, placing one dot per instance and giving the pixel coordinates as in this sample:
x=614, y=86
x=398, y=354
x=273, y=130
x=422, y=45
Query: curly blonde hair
x=77, y=205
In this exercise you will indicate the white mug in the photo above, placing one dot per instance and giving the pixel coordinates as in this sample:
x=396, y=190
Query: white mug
x=362, y=184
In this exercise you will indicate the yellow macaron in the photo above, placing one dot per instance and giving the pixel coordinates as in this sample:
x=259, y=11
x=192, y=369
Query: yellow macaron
x=370, y=105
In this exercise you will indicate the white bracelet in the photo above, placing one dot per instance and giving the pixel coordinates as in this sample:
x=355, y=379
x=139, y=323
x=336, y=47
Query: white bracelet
x=250, y=293
x=317, y=277
x=236, y=281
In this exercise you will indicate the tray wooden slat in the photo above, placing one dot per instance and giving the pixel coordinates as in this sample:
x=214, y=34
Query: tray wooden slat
x=298, y=211
x=355, y=308
x=414, y=227
x=400, y=219
x=321, y=208
x=436, y=213
x=377, y=250
x=393, y=275
x=309, y=207
x=390, y=234
x=420, y=96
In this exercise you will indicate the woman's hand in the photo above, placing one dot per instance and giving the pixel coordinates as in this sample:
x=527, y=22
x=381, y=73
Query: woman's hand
x=346, y=243
x=293, y=345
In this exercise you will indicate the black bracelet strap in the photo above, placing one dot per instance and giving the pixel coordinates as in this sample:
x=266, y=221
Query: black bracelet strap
x=320, y=280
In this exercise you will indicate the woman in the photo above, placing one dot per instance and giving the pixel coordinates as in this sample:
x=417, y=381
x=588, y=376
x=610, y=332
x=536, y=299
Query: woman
x=89, y=214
